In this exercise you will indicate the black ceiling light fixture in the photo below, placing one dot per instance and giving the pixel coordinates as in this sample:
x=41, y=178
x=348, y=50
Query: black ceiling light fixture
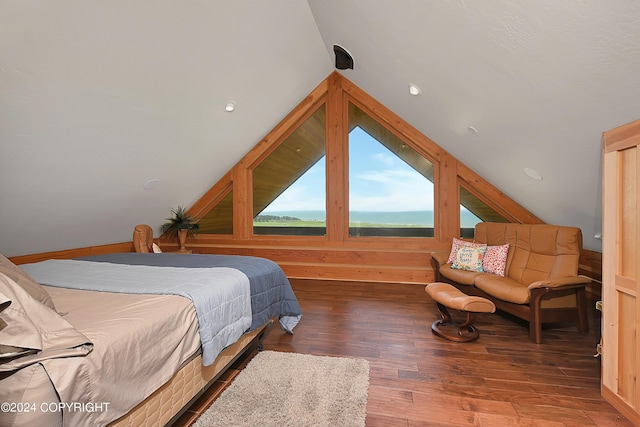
x=343, y=58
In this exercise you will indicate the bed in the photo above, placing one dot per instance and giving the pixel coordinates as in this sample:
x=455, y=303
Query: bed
x=129, y=339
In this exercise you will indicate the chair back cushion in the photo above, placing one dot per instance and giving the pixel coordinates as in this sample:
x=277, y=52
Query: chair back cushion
x=536, y=251
x=142, y=238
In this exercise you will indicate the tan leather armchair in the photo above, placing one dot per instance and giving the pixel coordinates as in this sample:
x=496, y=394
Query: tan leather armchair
x=142, y=238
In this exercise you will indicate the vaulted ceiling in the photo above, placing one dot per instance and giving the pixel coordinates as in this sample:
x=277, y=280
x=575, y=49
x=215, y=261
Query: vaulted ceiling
x=112, y=112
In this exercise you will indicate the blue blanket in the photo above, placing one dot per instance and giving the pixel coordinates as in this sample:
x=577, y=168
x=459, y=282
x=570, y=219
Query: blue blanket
x=220, y=296
x=271, y=292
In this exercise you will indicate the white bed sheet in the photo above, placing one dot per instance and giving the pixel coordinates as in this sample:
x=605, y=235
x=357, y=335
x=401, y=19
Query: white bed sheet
x=139, y=341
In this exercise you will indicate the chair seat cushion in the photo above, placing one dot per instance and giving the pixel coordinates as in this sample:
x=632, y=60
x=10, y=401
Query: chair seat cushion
x=462, y=277
x=503, y=288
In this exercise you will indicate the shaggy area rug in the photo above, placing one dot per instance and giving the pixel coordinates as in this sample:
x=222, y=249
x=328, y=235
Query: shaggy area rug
x=291, y=389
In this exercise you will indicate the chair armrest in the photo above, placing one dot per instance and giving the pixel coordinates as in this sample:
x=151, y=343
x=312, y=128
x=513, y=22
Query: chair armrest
x=563, y=282
x=441, y=257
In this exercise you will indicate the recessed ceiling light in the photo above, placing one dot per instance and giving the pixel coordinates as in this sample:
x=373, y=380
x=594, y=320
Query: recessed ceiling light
x=151, y=184
x=229, y=106
x=533, y=174
x=414, y=89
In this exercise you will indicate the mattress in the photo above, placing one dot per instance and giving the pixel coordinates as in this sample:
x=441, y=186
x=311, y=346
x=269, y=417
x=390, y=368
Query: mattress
x=175, y=396
x=139, y=343
x=161, y=407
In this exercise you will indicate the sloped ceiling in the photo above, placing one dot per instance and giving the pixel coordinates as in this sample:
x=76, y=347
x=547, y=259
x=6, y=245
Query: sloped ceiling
x=538, y=80
x=98, y=99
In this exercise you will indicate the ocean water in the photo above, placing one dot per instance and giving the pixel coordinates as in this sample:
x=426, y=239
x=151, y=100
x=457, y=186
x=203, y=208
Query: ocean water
x=406, y=218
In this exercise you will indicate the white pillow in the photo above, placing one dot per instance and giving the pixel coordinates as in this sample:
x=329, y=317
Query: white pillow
x=27, y=282
x=32, y=332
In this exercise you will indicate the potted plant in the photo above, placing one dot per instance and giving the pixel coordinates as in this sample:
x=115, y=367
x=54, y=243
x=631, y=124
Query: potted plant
x=182, y=224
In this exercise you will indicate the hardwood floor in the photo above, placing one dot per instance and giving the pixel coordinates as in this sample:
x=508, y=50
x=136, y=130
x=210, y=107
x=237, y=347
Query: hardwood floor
x=418, y=379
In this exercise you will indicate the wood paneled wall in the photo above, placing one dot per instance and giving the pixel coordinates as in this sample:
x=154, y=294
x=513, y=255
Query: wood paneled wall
x=74, y=253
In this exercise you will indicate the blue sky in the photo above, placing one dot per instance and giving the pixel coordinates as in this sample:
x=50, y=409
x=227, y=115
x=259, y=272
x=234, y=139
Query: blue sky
x=378, y=180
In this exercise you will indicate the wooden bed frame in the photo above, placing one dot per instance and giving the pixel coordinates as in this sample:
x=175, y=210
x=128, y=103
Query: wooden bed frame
x=169, y=402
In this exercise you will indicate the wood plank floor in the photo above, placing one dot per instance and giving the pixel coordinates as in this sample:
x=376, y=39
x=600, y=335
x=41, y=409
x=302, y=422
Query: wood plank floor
x=418, y=379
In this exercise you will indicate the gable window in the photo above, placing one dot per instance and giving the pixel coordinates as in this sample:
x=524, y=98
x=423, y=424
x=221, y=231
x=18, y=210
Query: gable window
x=390, y=184
x=342, y=188
x=289, y=185
x=473, y=210
x=219, y=220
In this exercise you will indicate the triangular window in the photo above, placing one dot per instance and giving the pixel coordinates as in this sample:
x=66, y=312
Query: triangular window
x=289, y=185
x=219, y=220
x=473, y=210
x=390, y=184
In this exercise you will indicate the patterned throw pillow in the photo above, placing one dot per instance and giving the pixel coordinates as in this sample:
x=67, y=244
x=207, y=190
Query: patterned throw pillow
x=469, y=258
x=457, y=244
x=495, y=259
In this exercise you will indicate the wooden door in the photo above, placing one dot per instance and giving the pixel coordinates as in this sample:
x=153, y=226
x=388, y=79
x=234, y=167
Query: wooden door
x=620, y=256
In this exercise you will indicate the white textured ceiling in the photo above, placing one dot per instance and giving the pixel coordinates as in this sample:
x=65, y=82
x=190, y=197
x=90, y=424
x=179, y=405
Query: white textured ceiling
x=539, y=80
x=97, y=98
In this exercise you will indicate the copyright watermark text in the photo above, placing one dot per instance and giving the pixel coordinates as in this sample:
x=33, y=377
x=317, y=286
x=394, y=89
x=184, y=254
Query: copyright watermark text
x=54, y=407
